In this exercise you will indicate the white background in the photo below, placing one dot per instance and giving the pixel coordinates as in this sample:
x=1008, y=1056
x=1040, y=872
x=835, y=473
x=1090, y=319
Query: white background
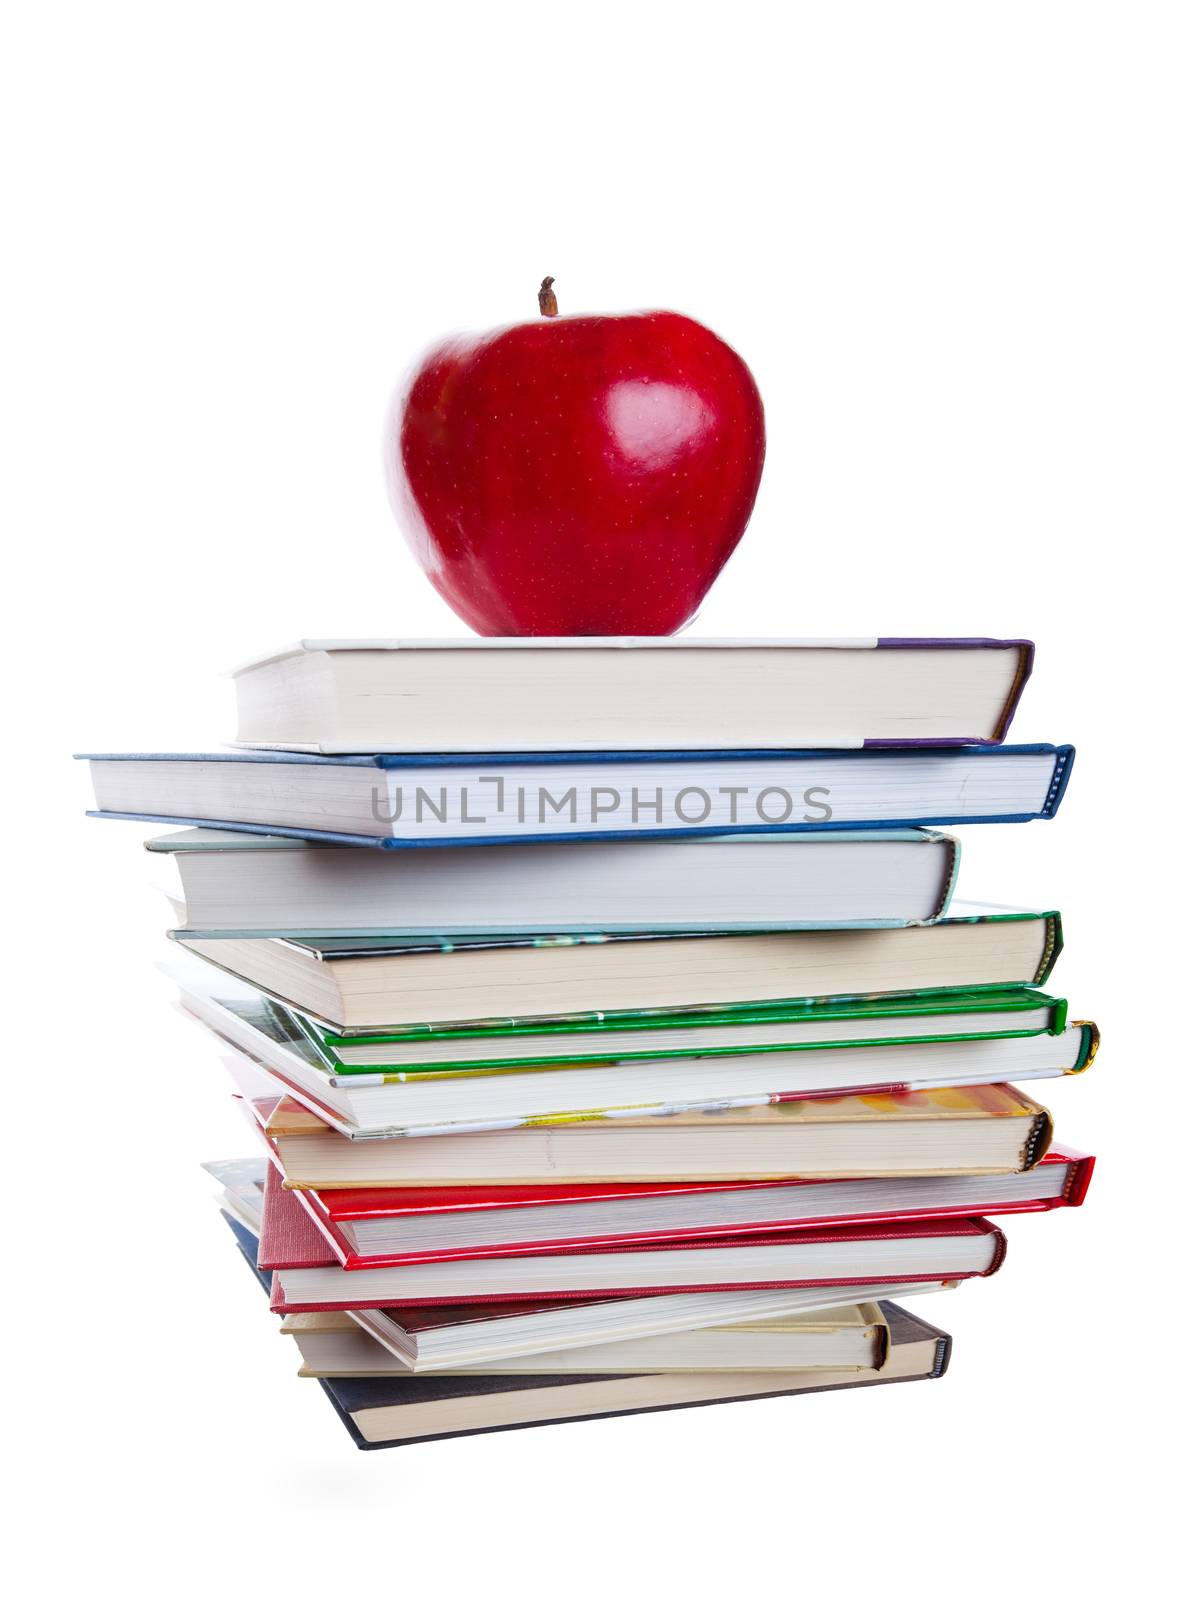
x=955, y=244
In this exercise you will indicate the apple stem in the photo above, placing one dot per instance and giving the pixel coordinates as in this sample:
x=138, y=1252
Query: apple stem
x=548, y=307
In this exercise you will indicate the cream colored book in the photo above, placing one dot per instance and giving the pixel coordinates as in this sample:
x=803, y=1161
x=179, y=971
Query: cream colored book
x=361, y=986
x=339, y=696
x=843, y=1338
x=926, y=1133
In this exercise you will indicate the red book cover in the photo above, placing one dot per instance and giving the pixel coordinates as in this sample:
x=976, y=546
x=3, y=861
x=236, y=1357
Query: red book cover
x=329, y=1209
x=289, y=1237
x=371, y=1288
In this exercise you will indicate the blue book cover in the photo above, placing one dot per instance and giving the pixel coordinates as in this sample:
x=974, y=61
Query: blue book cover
x=393, y=802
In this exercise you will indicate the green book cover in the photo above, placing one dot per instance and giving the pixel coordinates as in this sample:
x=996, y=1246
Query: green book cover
x=509, y=1043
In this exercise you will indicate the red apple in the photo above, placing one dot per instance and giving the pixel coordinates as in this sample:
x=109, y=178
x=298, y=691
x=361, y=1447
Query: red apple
x=577, y=475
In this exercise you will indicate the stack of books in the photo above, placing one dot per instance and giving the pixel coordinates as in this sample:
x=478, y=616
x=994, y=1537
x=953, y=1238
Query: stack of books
x=612, y=1035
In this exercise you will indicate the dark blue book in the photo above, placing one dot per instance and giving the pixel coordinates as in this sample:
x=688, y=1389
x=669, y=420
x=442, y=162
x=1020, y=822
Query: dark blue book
x=404, y=802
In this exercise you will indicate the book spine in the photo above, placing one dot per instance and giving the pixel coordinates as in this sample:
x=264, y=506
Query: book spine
x=1089, y=1045
x=1000, y=1251
x=1059, y=780
x=1038, y=1141
x=942, y=1356
x=953, y=858
x=1079, y=1176
x=1025, y=667
x=1052, y=944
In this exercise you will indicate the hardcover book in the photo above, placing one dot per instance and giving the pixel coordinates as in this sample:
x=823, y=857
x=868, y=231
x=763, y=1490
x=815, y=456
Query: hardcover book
x=255, y=883
x=503, y=1044
x=534, y=694
x=914, y=1252
x=850, y=1337
x=513, y=1095
x=396, y=1227
x=381, y=1412
x=971, y=1131
x=427, y=1337
x=384, y=983
x=507, y=798
x=275, y=1053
